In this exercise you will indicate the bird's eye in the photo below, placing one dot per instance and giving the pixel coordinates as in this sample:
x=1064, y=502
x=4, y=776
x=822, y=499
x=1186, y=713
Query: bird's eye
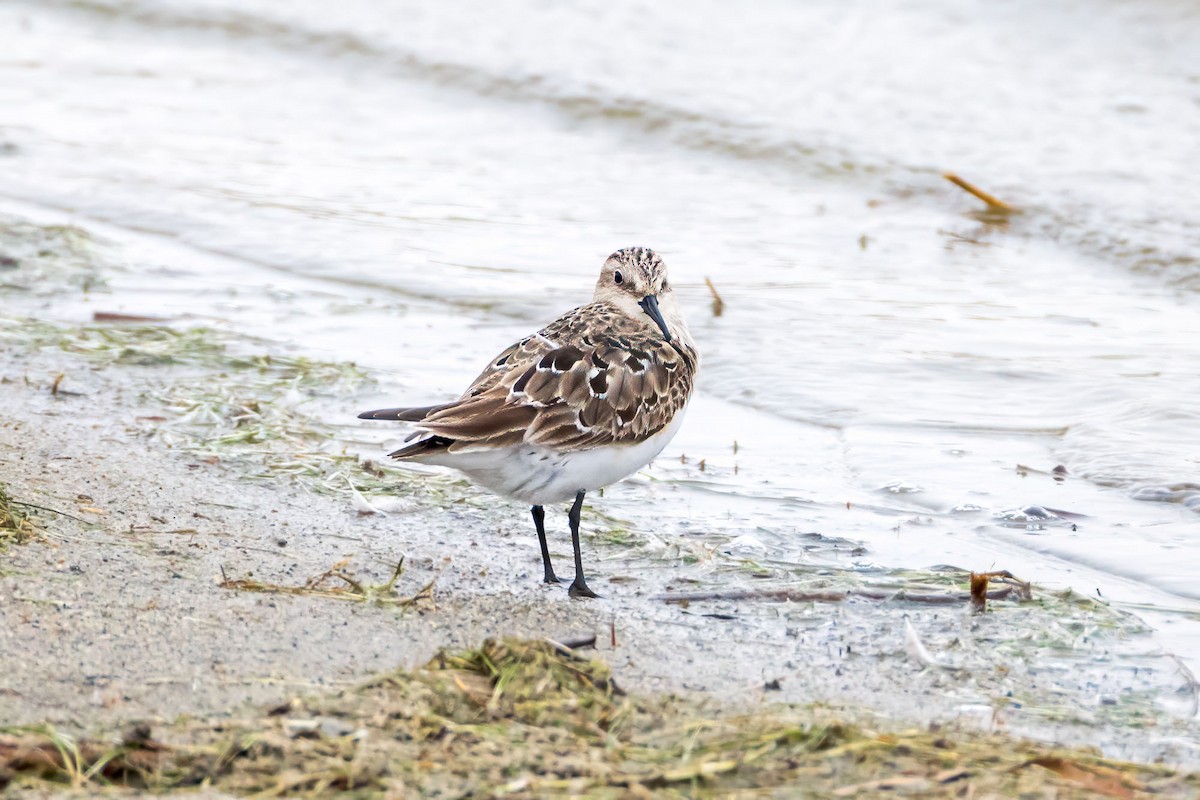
x=618, y=278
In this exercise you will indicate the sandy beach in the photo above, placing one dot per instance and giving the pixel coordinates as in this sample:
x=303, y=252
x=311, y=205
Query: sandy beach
x=941, y=273
x=179, y=573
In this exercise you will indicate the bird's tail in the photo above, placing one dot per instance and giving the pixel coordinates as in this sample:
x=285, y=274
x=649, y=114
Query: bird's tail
x=415, y=414
x=426, y=445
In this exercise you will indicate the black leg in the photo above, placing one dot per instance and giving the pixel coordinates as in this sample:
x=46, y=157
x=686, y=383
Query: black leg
x=539, y=520
x=579, y=587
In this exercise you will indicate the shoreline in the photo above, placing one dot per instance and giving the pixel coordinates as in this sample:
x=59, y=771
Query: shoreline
x=118, y=613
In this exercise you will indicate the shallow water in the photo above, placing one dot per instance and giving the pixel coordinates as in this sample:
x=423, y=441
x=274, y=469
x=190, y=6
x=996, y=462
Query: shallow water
x=413, y=188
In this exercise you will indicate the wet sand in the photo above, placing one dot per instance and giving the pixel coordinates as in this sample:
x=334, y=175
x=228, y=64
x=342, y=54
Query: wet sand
x=117, y=613
x=888, y=355
x=311, y=184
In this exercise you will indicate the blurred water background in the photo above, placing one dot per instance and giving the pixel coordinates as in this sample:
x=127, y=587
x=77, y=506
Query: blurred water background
x=412, y=185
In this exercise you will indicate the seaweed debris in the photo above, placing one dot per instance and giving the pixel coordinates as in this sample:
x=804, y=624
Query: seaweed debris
x=351, y=587
x=214, y=397
x=15, y=524
x=47, y=260
x=534, y=719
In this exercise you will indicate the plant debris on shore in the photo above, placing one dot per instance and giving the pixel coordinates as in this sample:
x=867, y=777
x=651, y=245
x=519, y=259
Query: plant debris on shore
x=15, y=525
x=354, y=589
x=533, y=718
x=510, y=718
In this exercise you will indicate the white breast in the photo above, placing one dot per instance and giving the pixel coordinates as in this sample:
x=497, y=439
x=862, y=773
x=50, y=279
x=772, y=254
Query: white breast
x=539, y=476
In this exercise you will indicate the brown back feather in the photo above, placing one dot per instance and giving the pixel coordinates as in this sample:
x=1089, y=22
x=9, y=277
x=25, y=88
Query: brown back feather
x=565, y=389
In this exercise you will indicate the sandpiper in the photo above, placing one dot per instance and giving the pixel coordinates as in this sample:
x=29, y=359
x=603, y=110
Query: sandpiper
x=582, y=403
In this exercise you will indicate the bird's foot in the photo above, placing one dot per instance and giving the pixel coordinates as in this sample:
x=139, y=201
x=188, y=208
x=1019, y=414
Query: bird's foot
x=550, y=577
x=580, y=589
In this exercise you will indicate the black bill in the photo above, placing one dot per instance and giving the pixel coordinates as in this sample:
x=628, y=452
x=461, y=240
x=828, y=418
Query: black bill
x=649, y=304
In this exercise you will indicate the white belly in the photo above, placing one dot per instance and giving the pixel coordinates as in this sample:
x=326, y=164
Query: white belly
x=539, y=476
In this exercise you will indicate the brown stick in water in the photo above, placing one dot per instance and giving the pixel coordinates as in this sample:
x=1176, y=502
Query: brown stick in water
x=718, y=305
x=993, y=203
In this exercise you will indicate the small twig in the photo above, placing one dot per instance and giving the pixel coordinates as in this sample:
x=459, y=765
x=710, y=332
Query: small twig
x=993, y=203
x=780, y=595
x=51, y=510
x=979, y=586
x=579, y=642
x=355, y=585
x=831, y=596
x=357, y=591
x=567, y=649
x=426, y=593
x=607, y=684
x=718, y=305
x=314, y=583
x=114, y=316
x=1024, y=589
x=391, y=584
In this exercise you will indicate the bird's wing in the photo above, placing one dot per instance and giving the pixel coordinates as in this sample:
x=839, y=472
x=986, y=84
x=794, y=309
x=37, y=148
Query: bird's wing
x=571, y=391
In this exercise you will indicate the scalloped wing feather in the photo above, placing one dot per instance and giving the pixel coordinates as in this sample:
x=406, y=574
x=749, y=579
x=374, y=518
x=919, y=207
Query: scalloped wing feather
x=570, y=387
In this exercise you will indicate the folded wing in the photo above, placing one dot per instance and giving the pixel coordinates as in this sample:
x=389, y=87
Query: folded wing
x=620, y=389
